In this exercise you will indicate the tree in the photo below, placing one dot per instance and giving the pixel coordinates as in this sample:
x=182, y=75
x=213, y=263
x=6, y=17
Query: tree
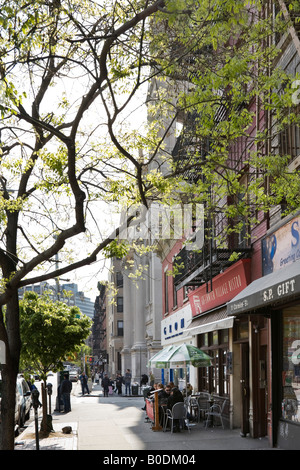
x=55, y=162
x=69, y=71
x=50, y=331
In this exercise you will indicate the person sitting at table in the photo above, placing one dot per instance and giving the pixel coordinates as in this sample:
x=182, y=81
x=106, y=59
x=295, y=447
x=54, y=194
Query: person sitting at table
x=175, y=397
x=188, y=391
x=164, y=394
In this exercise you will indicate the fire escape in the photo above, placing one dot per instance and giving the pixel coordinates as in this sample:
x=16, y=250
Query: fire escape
x=201, y=266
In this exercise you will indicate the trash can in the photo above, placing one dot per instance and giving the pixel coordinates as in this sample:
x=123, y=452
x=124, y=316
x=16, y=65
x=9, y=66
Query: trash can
x=135, y=389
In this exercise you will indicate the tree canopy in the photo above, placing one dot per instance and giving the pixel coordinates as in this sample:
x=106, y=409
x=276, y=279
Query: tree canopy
x=51, y=331
x=73, y=76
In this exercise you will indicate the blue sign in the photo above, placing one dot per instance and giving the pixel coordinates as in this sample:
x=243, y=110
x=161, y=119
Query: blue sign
x=282, y=247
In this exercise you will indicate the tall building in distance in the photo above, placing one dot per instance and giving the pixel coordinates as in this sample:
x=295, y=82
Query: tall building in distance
x=73, y=297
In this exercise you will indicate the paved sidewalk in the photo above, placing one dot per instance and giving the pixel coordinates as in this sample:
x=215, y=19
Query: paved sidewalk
x=118, y=423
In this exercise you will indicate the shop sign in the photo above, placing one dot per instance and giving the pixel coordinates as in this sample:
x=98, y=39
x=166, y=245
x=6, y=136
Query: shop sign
x=258, y=296
x=173, y=327
x=281, y=248
x=225, y=287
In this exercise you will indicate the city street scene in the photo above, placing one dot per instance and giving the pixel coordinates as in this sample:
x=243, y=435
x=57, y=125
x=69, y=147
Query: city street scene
x=119, y=423
x=149, y=227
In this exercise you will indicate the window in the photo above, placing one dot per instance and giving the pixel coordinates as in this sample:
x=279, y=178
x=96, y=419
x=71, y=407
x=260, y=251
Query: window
x=174, y=295
x=241, y=330
x=291, y=365
x=120, y=328
x=289, y=139
x=119, y=304
x=119, y=279
x=214, y=379
x=166, y=293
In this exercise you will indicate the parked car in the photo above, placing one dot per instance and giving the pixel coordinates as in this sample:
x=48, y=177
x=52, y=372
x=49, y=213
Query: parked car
x=73, y=375
x=23, y=401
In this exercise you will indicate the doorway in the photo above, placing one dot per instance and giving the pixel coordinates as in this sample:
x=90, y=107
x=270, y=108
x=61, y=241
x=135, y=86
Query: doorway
x=262, y=393
x=245, y=390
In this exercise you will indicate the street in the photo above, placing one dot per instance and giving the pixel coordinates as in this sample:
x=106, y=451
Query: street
x=117, y=423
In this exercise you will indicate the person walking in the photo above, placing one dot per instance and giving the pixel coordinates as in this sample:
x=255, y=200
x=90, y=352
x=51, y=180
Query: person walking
x=97, y=377
x=105, y=385
x=144, y=380
x=127, y=381
x=84, y=383
x=119, y=382
x=65, y=390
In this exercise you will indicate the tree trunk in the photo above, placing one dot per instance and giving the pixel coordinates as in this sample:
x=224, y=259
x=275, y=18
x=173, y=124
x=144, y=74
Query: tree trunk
x=44, y=424
x=10, y=334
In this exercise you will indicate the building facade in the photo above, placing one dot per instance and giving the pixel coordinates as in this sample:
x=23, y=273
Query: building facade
x=73, y=295
x=114, y=317
x=244, y=312
x=99, y=334
x=142, y=313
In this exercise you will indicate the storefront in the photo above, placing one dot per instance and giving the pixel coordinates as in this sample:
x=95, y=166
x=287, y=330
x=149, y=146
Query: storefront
x=272, y=306
x=214, y=330
x=173, y=333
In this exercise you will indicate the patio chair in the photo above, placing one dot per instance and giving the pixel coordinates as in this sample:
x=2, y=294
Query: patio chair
x=195, y=410
x=178, y=412
x=203, y=403
x=216, y=410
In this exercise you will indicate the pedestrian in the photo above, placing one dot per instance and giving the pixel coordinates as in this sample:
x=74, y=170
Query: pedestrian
x=65, y=390
x=84, y=383
x=105, y=385
x=111, y=387
x=127, y=382
x=97, y=376
x=144, y=380
x=119, y=382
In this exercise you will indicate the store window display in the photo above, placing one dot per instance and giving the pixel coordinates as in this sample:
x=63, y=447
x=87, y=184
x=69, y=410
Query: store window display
x=290, y=404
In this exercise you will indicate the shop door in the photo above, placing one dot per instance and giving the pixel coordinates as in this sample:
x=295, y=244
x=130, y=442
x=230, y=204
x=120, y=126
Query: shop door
x=245, y=401
x=263, y=391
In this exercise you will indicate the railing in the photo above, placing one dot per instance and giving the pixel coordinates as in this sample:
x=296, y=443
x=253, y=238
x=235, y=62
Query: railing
x=196, y=268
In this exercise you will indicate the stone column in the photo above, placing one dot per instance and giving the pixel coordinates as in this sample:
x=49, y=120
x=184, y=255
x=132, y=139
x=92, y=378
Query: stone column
x=139, y=350
x=128, y=318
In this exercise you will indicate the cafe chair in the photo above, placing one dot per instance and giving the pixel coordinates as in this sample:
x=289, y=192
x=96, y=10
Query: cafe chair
x=178, y=412
x=216, y=410
x=195, y=409
x=203, y=403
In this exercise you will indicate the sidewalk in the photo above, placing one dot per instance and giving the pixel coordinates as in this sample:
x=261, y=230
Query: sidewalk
x=118, y=423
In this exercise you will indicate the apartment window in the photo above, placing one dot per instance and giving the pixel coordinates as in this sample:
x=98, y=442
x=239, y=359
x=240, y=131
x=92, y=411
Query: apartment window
x=120, y=326
x=119, y=361
x=119, y=279
x=166, y=292
x=174, y=295
x=119, y=304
